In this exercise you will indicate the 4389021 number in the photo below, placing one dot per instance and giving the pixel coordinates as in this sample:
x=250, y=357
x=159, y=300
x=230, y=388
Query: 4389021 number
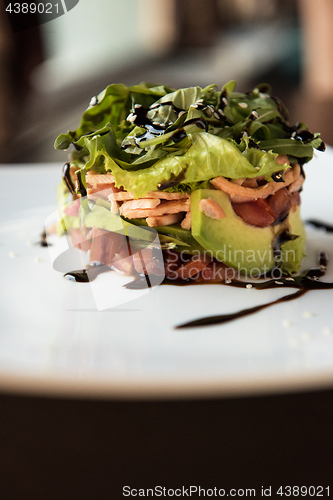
x=32, y=8
x=302, y=491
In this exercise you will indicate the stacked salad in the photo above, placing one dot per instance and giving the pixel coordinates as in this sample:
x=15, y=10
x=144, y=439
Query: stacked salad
x=217, y=174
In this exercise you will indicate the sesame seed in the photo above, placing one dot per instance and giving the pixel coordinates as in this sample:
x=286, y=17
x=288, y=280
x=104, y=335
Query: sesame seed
x=290, y=279
x=199, y=101
x=131, y=117
x=279, y=282
x=242, y=104
x=93, y=101
x=224, y=100
x=257, y=168
x=293, y=135
x=228, y=281
x=156, y=123
x=308, y=314
x=136, y=106
x=12, y=255
x=216, y=115
x=255, y=114
x=249, y=286
x=286, y=323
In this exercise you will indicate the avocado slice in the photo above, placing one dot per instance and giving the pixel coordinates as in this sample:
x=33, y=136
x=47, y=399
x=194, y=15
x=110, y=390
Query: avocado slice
x=246, y=248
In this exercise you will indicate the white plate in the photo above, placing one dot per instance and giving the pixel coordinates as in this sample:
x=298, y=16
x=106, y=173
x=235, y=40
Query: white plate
x=53, y=340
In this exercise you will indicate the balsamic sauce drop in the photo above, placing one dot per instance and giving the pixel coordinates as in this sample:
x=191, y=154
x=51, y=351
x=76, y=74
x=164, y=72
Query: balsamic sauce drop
x=86, y=275
x=43, y=240
x=66, y=175
x=81, y=189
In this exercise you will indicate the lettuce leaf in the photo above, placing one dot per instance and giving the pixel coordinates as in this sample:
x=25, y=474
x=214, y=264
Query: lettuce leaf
x=208, y=157
x=112, y=106
x=154, y=137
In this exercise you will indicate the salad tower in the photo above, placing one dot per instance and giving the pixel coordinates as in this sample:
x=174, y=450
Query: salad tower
x=216, y=173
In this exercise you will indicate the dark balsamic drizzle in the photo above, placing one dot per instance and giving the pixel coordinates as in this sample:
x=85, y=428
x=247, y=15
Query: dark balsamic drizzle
x=305, y=282
x=43, y=240
x=224, y=318
x=320, y=225
x=321, y=147
x=66, y=175
x=86, y=275
x=80, y=187
x=140, y=283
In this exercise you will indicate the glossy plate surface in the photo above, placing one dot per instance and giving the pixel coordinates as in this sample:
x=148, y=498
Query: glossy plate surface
x=53, y=340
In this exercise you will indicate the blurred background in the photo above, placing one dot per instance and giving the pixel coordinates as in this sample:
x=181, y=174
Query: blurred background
x=49, y=73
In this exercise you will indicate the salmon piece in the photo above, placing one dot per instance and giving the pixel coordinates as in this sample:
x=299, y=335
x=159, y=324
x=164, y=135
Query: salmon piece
x=114, y=207
x=73, y=209
x=211, y=208
x=125, y=195
x=166, y=196
x=281, y=203
x=78, y=239
x=123, y=262
x=239, y=182
x=265, y=212
x=120, y=196
x=241, y=194
x=297, y=184
x=164, y=220
x=102, y=187
x=164, y=208
x=100, y=179
x=144, y=263
x=256, y=213
x=186, y=223
x=94, y=194
x=105, y=245
x=141, y=203
x=250, y=183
